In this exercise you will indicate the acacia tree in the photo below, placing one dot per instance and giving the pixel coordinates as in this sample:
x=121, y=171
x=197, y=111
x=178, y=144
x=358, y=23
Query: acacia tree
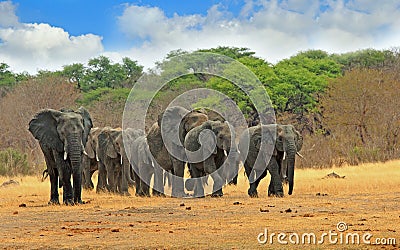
x=361, y=111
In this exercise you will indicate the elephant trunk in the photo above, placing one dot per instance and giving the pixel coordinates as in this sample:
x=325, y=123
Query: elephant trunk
x=74, y=149
x=290, y=150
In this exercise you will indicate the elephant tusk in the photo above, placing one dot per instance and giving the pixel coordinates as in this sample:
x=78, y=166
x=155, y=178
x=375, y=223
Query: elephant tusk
x=284, y=155
x=97, y=158
x=121, y=159
x=84, y=152
x=297, y=153
x=225, y=153
x=65, y=155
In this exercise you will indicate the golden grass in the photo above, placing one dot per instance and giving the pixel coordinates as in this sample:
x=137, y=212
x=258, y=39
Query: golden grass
x=367, y=199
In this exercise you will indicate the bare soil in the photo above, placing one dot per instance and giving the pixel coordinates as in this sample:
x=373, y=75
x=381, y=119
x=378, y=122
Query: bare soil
x=367, y=200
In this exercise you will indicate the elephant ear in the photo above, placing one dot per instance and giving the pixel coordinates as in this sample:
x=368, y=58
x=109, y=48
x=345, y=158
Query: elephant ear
x=44, y=128
x=207, y=141
x=299, y=140
x=87, y=123
x=90, y=145
x=110, y=149
x=89, y=148
x=170, y=121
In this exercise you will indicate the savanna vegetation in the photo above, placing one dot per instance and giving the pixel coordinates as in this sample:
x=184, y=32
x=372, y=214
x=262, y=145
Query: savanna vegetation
x=345, y=105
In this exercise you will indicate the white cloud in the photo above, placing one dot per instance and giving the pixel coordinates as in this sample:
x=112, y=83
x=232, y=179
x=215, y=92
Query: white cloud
x=274, y=30
x=7, y=14
x=30, y=47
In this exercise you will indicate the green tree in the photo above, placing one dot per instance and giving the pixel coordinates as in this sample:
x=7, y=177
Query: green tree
x=7, y=78
x=74, y=72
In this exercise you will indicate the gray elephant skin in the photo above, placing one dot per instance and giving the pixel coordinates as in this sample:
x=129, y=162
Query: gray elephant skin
x=276, y=147
x=230, y=175
x=89, y=162
x=62, y=136
x=144, y=169
x=207, y=145
x=114, y=167
x=170, y=130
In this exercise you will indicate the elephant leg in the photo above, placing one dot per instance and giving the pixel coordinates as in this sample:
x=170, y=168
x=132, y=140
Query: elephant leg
x=110, y=176
x=138, y=181
x=86, y=176
x=253, y=186
x=77, y=179
x=177, y=179
x=90, y=182
x=102, y=178
x=158, y=188
x=125, y=173
x=198, y=190
x=53, y=174
x=132, y=183
x=65, y=172
x=211, y=169
x=54, y=198
x=275, y=185
x=234, y=180
x=145, y=173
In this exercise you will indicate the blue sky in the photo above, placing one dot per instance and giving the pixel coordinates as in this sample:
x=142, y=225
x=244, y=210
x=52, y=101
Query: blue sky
x=49, y=34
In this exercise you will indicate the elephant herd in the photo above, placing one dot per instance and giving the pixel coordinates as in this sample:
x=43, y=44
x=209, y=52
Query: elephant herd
x=200, y=139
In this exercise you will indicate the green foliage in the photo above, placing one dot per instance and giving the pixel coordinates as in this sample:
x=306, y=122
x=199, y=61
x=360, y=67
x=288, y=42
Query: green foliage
x=301, y=79
x=102, y=73
x=7, y=78
x=232, y=52
x=13, y=163
x=102, y=93
x=367, y=58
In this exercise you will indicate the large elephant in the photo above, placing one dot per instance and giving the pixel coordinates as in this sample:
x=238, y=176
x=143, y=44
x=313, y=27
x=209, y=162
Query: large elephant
x=207, y=145
x=62, y=136
x=273, y=148
x=114, y=166
x=89, y=162
x=169, y=132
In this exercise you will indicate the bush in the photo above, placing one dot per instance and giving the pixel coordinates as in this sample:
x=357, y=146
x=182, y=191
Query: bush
x=13, y=162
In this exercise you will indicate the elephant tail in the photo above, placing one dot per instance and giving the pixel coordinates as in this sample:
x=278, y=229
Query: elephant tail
x=45, y=174
x=167, y=176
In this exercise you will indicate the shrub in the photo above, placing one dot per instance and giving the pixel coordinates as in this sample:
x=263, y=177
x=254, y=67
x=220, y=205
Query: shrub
x=13, y=162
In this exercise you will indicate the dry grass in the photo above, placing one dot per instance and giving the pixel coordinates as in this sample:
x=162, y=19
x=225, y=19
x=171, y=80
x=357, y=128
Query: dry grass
x=366, y=199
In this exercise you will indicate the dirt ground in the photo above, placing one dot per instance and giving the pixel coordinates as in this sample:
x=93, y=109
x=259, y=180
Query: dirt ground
x=366, y=200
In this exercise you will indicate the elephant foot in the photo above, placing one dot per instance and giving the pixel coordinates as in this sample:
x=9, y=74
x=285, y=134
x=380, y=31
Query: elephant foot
x=180, y=194
x=141, y=194
x=253, y=194
x=217, y=193
x=158, y=194
x=101, y=190
x=54, y=202
x=233, y=181
x=279, y=194
x=80, y=202
x=126, y=193
x=69, y=202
